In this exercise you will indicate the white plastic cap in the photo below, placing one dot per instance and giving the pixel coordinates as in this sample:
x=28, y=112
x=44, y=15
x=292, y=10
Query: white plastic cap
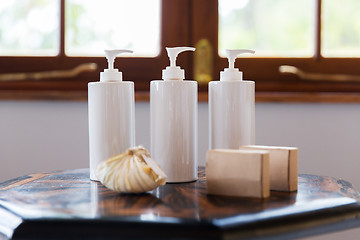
x=232, y=73
x=173, y=72
x=110, y=74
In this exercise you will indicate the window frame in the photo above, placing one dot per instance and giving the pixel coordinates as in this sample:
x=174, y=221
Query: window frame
x=174, y=32
x=271, y=85
x=186, y=22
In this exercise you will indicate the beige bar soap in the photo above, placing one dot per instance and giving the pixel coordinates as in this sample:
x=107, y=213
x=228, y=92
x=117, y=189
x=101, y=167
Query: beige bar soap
x=241, y=173
x=283, y=166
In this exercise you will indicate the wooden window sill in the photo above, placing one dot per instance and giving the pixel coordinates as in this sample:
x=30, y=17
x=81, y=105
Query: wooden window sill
x=143, y=96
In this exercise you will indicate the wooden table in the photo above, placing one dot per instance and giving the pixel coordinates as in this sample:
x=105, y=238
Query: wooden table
x=67, y=205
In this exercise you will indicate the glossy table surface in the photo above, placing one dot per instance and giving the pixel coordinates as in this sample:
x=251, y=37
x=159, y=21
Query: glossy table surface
x=67, y=205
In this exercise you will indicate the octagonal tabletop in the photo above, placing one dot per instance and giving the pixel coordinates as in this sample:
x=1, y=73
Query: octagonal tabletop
x=67, y=205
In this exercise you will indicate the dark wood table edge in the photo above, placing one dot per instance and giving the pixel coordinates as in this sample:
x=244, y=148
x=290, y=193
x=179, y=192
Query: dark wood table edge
x=304, y=225
x=293, y=226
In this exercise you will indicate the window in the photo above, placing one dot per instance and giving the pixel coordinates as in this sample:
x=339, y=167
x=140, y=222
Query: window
x=311, y=35
x=23, y=31
x=341, y=28
x=92, y=26
x=279, y=28
x=59, y=44
x=318, y=38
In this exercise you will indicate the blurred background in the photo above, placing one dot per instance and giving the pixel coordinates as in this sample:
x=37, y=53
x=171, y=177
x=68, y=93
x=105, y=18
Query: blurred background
x=44, y=122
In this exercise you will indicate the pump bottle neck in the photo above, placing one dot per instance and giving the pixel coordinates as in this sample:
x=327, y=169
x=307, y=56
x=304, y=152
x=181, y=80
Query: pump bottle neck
x=111, y=74
x=174, y=72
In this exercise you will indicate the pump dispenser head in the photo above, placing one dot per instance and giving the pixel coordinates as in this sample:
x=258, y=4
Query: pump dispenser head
x=110, y=74
x=174, y=72
x=233, y=73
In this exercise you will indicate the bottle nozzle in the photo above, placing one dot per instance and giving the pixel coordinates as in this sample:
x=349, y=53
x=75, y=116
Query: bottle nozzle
x=233, y=73
x=173, y=72
x=110, y=74
x=232, y=54
x=174, y=52
x=111, y=55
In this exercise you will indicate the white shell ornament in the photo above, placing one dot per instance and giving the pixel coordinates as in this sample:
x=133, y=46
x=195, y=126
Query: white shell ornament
x=131, y=172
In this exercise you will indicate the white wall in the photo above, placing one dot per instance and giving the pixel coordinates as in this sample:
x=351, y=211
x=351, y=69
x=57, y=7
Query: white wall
x=40, y=136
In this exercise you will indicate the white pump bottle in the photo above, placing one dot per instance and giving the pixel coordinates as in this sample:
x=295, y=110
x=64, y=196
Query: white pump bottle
x=173, y=121
x=231, y=107
x=111, y=106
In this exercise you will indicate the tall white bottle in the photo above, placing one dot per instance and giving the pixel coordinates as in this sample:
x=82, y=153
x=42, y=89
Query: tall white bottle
x=173, y=121
x=111, y=106
x=231, y=107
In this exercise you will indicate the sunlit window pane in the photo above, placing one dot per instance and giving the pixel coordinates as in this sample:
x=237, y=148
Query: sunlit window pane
x=29, y=27
x=341, y=28
x=274, y=28
x=93, y=26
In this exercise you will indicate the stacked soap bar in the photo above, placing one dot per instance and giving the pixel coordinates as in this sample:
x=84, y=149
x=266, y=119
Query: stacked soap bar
x=251, y=171
x=283, y=166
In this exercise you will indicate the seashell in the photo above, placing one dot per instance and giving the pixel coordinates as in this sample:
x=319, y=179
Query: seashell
x=131, y=172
